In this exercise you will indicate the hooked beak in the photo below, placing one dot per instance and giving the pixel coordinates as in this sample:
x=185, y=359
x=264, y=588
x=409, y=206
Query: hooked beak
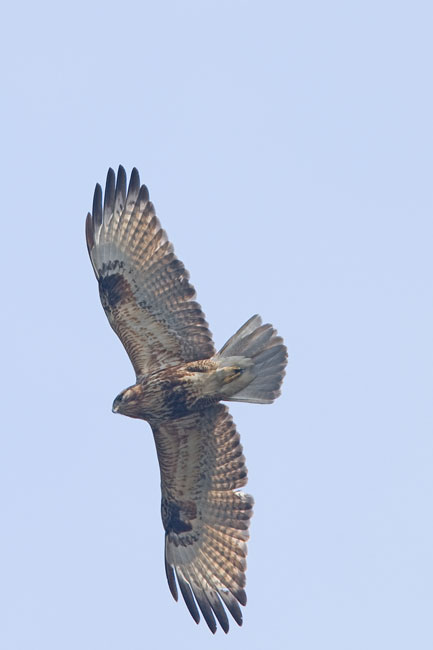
x=116, y=405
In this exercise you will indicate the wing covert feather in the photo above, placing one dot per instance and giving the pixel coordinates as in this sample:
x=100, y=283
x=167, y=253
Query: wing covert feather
x=205, y=517
x=144, y=288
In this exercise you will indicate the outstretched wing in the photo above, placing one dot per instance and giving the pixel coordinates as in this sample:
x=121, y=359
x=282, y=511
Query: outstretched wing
x=144, y=288
x=205, y=518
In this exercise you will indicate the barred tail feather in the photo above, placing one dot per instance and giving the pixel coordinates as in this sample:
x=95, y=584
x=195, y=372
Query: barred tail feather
x=260, y=344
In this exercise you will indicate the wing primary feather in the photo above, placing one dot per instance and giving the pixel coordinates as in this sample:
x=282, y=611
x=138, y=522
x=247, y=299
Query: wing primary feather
x=218, y=609
x=241, y=596
x=143, y=196
x=188, y=597
x=212, y=595
x=110, y=187
x=97, y=206
x=134, y=183
x=90, y=239
x=195, y=583
x=120, y=193
x=171, y=580
x=232, y=605
x=205, y=608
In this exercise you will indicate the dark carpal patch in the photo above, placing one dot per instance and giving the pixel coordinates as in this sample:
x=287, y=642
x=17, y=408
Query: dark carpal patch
x=173, y=516
x=114, y=289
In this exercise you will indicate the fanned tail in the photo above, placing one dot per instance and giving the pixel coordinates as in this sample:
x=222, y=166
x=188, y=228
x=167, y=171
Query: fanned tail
x=259, y=344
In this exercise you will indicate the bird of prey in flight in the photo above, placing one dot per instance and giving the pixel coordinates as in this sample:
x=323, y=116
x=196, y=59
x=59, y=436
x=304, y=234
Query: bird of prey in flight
x=181, y=382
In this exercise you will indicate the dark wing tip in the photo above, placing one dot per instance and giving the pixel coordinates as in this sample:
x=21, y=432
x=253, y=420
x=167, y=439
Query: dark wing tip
x=208, y=600
x=111, y=178
x=232, y=605
x=241, y=596
x=120, y=192
x=188, y=597
x=97, y=205
x=143, y=195
x=90, y=236
x=110, y=188
x=218, y=610
x=205, y=608
x=134, y=183
x=171, y=580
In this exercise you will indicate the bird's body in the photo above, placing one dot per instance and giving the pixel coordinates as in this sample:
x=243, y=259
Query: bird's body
x=180, y=383
x=180, y=390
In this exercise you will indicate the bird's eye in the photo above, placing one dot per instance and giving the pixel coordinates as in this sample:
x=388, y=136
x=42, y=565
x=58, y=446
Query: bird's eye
x=128, y=396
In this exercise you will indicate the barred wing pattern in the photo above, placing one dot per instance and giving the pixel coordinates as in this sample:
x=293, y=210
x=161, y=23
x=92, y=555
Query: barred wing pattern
x=144, y=288
x=205, y=518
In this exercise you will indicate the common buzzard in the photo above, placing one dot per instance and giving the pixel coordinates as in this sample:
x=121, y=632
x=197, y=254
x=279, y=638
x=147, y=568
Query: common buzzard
x=180, y=383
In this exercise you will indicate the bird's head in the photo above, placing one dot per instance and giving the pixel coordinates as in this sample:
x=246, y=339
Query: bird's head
x=128, y=401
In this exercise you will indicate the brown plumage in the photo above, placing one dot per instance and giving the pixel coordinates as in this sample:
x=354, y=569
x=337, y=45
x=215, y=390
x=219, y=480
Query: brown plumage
x=180, y=382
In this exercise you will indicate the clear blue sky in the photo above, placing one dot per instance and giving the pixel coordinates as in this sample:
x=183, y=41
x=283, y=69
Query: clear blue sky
x=288, y=150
